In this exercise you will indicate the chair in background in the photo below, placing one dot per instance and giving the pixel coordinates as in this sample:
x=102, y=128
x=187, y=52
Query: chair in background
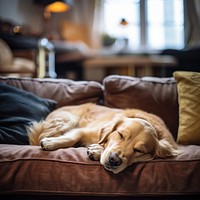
x=18, y=63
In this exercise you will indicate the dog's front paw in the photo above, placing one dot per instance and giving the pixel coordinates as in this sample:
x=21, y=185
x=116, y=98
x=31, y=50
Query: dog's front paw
x=94, y=151
x=47, y=144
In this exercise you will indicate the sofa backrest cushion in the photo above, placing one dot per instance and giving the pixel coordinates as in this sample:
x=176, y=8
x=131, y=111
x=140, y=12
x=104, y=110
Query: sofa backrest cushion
x=64, y=91
x=154, y=95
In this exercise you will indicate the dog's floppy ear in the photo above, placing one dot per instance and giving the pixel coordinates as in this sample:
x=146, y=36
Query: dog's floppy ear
x=165, y=149
x=110, y=127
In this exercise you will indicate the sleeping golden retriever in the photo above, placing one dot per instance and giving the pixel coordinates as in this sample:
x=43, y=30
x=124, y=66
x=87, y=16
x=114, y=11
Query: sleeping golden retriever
x=116, y=137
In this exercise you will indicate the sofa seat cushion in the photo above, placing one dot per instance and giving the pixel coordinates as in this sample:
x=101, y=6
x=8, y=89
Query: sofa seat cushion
x=28, y=169
x=151, y=94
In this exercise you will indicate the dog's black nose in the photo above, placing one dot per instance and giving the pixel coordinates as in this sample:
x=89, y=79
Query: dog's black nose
x=114, y=159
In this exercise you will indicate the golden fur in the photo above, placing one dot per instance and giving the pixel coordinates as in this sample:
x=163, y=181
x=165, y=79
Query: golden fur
x=116, y=137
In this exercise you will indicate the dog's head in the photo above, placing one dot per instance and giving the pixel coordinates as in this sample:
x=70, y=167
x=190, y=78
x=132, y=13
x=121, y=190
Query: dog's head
x=129, y=140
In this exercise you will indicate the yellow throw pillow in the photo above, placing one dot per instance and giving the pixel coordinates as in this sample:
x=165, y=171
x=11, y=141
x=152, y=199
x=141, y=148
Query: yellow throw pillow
x=188, y=85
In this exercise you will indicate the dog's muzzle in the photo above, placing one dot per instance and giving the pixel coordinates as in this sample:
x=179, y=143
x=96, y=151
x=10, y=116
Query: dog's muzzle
x=114, y=160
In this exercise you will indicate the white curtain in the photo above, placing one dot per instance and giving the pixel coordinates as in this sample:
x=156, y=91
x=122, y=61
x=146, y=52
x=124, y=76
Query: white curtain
x=192, y=22
x=96, y=28
x=89, y=14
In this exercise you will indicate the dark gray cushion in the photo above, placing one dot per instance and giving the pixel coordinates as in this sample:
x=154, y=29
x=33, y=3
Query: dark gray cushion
x=18, y=108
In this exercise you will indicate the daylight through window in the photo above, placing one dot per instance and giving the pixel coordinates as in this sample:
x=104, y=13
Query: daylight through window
x=151, y=24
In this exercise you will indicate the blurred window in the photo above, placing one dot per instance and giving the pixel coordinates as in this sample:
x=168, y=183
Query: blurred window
x=152, y=24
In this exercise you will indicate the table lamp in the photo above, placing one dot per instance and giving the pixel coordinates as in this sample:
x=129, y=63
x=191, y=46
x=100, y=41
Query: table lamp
x=55, y=7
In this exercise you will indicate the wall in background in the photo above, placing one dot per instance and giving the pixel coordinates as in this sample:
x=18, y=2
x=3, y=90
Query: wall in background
x=23, y=12
x=30, y=14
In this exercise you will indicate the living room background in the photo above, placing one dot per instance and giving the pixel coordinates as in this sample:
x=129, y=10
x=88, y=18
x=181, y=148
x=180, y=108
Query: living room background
x=176, y=22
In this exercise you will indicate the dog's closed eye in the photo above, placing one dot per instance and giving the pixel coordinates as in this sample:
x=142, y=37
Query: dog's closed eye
x=136, y=150
x=120, y=135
